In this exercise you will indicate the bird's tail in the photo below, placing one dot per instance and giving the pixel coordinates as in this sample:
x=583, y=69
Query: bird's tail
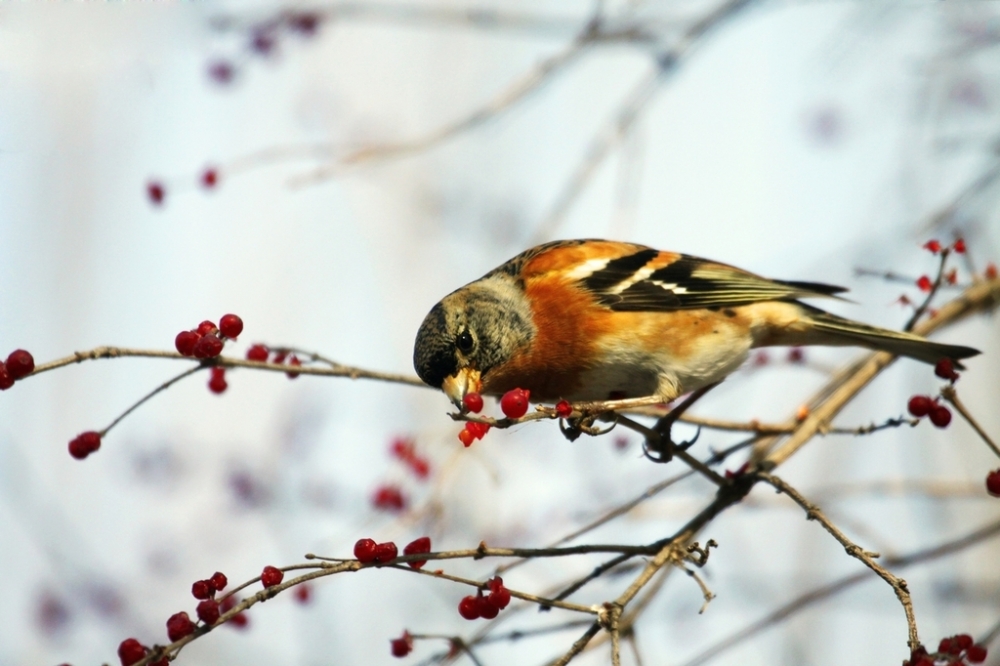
x=847, y=332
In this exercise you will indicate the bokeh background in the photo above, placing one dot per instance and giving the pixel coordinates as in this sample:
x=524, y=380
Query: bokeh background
x=797, y=140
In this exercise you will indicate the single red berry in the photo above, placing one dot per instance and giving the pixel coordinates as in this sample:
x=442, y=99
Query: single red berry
x=402, y=448
x=271, y=576
x=303, y=592
x=993, y=483
x=945, y=369
x=209, y=178
x=217, y=384
x=478, y=430
x=487, y=609
x=202, y=589
x=389, y=498
x=514, y=403
x=466, y=437
x=991, y=271
x=959, y=246
x=295, y=362
x=185, y=342
x=401, y=646
x=178, y=626
x=564, y=409
x=279, y=357
x=421, y=468
x=130, y=651
x=924, y=283
x=6, y=381
x=20, y=364
x=932, y=246
x=78, y=449
x=940, y=416
x=415, y=547
x=230, y=326
x=796, y=355
x=945, y=646
x=206, y=327
x=156, y=192
x=473, y=402
x=208, y=346
x=963, y=641
x=240, y=621
x=920, y=405
x=364, y=550
x=386, y=552
x=499, y=595
x=976, y=654
x=468, y=607
x=208, y=611
x=257, y=353
x=221, y=72
x=304, y=23
x=91, y=440
x=494, y=583
x=219, y=581
x=263, y=42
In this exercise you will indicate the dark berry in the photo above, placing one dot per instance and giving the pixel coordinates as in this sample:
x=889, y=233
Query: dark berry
x=499, y=595
x=84, y=444
x=415, y=547
x=976, y=654
x=514, y=403
x=240, y=620
x=468, y=607
x=487, y=609
x=304, y=23
x=303, y=592
x=473, y=402
x=219, y=581
x=279, y=357
x=389, y=498
x=185, y=342
x=796, y=355
x=130, y=651
x=221, y=72
x=924, y=283
x=206, y=327
x=271, y=576
x=202, y=589
x=20, y=364
x=963, y=641
x=293, y=361
x=945, y=369
x=230, y=326
x=364, y=550
x=209, y=178
x=386, y=552
x=993, y=483
x=6, y=381
x=178, y=626
x=217, y=384
x=208, y=611
x=257, y=353
x=940, y=416
x=920, y=405
x=209, y=346
x=401, y=646
x=156, y=192
x=263, y=42
x=563, y=409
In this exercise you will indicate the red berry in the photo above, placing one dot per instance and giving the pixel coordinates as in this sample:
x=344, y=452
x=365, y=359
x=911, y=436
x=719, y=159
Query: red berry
x=156, y=192
x=563, y=409
x=20, y=364
x=466, y=437
x=306, y=24
x=185, y=342
x=271, y=576
x=473, y=402
x=514, y=403
x=221, y=72
x=940, y=416
x=6, y=381
x=963, y=641
x=263, y=42
x=178, y=626
x=209, y=346
x=294, y=361
x=257, y=353
x=924, y=283
x=386, y=552
x=402, y=448
x=279, y=357
x=796, y=355
x=364, y=550
x=208, y=611
x=401, y=646
x=217, y=384
x=920, y=405
x=240, y=620
x=959, y=246
x=202, y=589
x=389, y=498
x=976, y=654
x=219, y=581
x=130, y=651
x=468, y=607
x=478, y=430
x=993, y=483
x=303, y=592
x=209, y=178
x=421, y=545
x=932, y=246
x=77, y=449
x=84, y=444
x=945, y=369
x=487, y=609
x=206, y=327
x=991, y=271
x=499, y=595
x=421, y=468
x=230, y=326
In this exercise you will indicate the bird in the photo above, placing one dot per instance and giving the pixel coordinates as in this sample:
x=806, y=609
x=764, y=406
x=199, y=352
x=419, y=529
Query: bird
x=598, y=320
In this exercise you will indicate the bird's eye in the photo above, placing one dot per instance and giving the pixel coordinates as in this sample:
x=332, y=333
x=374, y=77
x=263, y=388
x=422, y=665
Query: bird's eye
x=465, y=342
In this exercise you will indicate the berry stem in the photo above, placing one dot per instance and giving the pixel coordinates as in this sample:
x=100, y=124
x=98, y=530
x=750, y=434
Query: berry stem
x=162, y=387
x=922, y=308
x=949, y=394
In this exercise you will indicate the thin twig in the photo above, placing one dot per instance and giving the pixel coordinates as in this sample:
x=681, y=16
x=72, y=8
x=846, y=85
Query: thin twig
x=949, y=394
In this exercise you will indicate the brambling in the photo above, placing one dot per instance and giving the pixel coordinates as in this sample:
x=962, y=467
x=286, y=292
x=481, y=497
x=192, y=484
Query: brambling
x=594, y=320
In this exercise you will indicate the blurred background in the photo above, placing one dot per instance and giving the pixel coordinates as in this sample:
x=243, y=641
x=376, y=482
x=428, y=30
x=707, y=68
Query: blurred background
x=370, y=158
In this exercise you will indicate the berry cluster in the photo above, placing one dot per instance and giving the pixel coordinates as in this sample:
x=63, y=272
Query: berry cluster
x=19, y=364
x=923, y=405
x=84, y=444
x=263, y=39
x=369, y=552
x=473, y=430
x=405, y=450
x=945, y=369
x=207, y=340
x=934, y=246
x=957, y=650
x=261, y=353
x=208, y=609
x=485, y=606
x=402, y=646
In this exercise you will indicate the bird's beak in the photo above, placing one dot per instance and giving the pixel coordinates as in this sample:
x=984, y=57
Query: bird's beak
x=466, y=380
